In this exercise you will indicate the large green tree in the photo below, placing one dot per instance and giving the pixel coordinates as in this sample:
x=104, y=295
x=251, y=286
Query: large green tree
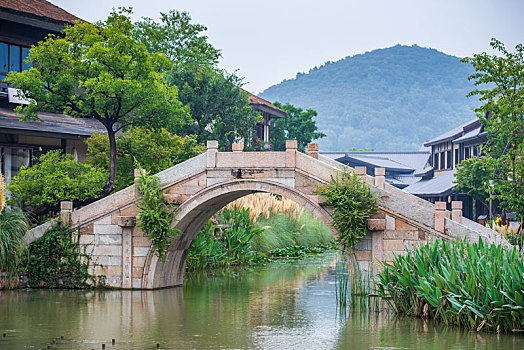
x=100, y=71
x=177, y=38
x=219, y=109
x=297, y=125
x=500, y=82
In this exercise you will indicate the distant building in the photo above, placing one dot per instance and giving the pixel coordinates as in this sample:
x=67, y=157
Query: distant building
x=401, y=167
x=269, y=112
x=427, y=174
x=447, y=151
x=23, y=24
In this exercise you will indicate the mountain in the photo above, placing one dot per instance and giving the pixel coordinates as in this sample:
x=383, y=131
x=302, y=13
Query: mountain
x=387, y=99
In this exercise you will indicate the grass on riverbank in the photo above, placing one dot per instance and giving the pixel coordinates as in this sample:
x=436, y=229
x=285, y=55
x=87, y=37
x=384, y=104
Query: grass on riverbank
x=477, y=286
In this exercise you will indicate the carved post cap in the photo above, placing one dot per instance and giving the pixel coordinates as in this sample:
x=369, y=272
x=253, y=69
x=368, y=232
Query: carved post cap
x=291, y=144
x=360, y=170
x=456, y=205
x=237, y=147
x=66, y=205
x=380, y=171
x=212, y=144
x=440, y=205
x=312, y=147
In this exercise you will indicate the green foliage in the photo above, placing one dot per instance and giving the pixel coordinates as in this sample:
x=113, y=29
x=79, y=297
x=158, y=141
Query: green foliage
x=387, y=99
x=220, y=110
x=297, y=125
x=13, y=250
x=472, y=178
x=57, y=261
x=100, y=71
x=229, y=247
x=352, y=203
x=154, y=150
x=155, y=216
x=476, y=286
x=56, y=177
x=177, y=38
x=501, y=81
x=283, y=231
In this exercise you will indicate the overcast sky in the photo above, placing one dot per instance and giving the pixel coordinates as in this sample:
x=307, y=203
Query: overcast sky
x=271, y=40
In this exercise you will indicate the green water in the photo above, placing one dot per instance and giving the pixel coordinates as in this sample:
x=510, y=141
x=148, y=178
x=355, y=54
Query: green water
x=283, y=306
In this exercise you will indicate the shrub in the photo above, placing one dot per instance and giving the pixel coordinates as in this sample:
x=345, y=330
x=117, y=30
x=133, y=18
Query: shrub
x=13, y=250
x=54, y=178
x=477, y=286
x=352, y=203
x=57, y=261
x=154, y=150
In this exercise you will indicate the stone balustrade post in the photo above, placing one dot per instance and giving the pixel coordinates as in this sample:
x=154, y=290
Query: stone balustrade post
x=440, y=216
x=291, y=150
x=456, y=211
x=137, y=174
x=212, y=150
x=237, y=147
x=312, y=150
x=66, y=210
x=380, y=177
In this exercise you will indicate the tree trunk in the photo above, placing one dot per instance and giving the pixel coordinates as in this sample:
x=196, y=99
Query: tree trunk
x=108, y=188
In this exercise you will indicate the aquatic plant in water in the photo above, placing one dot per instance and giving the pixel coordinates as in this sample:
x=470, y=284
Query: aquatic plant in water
x=478, y=286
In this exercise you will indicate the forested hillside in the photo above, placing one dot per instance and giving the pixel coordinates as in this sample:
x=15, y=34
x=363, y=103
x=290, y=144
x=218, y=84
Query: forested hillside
x=387, y=99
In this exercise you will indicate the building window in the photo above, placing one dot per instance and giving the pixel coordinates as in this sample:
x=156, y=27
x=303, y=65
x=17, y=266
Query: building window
x=475, y=151
x=457, y=158
x=12, y=59
x=467, y=153
x=448, y=160
x=435, y=163
x=13, y=159
x=442, y=160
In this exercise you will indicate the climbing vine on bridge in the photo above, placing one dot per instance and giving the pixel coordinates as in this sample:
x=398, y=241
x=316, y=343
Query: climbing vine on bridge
x=155, y=216
x=352, y=202
x=56, y=260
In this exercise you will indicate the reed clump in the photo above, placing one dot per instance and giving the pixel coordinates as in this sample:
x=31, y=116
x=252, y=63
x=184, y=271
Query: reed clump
x=263, y=205
x=477, y=286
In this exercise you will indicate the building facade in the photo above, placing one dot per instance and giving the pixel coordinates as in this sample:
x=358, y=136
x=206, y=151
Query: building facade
x=447, y=151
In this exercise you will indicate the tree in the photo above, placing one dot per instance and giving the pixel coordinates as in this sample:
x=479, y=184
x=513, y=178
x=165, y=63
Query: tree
x=472, y=178
x=54, y=178
x=153, y=150
x=100, y=71
x=220, y=110
x=177, y=38
x=501, y=79
x=297, y=125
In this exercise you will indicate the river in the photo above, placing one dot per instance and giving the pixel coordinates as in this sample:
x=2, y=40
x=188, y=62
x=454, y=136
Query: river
x=280, y=306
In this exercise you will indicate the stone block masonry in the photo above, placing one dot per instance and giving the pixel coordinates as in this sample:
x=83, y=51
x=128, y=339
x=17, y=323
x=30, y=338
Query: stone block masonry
x=202, y=185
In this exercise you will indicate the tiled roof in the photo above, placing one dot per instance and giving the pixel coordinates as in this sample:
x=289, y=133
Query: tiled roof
x=437, y=186
x=39, y=8
x=50, y=123
x=255, y=100
x=451, y=134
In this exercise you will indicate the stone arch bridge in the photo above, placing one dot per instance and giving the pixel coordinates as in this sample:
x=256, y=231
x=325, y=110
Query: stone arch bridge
x=204, y=184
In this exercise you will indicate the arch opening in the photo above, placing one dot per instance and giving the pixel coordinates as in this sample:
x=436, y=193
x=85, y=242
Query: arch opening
x=195, y=212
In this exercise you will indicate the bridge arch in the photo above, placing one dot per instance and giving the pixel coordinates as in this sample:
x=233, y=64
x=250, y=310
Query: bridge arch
x=195, y=212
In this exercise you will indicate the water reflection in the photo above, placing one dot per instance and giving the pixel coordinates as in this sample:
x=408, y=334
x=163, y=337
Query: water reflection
x=283, y=306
